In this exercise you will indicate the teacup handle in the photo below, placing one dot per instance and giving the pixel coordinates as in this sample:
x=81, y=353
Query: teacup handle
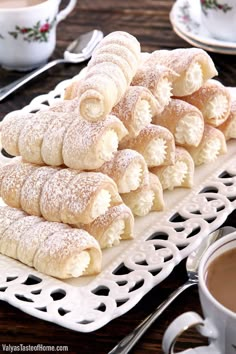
x=180, y=325
x=63, y=13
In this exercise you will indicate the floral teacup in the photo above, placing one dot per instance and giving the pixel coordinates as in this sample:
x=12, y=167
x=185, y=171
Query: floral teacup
x=28, y=33
x=219, y=17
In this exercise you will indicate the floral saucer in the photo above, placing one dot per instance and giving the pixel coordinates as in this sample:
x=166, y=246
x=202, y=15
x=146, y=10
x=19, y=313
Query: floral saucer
x=207, y=47
x=185, y=17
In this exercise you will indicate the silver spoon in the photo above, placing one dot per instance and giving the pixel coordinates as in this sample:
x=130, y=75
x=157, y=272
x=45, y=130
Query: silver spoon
x=77, y=52
x=193, y=260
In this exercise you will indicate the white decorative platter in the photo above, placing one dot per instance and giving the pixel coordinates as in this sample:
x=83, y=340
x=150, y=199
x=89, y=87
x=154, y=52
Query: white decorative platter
x=185, y=16
x=134, y=267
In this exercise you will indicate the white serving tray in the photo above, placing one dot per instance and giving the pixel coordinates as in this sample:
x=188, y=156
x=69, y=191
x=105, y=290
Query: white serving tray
x=134, y=267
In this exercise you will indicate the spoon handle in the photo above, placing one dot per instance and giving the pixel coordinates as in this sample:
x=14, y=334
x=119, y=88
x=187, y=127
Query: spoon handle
x=131, y=339
x=15, y=85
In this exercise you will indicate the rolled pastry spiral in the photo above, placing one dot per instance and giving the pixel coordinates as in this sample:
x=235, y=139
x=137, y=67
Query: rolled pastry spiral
x=147, y=198
x=157, y=78
x=61, y=138
x=180, y=174
x=193, y=65
x=52, y=248
x=155, y=143
x=183, y=120
x=212, y=145
x=61, y=195
x=214, y=101
x=109, y=73
x=127, y=168
x=136, y=109
x=110, y=228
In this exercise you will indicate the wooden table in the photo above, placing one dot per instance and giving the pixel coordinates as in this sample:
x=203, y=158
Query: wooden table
x=148, y=20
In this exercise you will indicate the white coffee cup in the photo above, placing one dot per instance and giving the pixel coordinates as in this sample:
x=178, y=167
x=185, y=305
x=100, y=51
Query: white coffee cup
x=219, y=18
x=28, y=32
x=219, y=324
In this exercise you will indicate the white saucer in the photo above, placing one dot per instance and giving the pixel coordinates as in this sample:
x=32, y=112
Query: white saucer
x=185, y=17
x=209, y=48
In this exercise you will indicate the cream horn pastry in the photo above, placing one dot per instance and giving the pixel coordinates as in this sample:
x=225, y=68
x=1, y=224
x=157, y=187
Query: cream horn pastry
x=106, y=79
x=11, y=127
x=228, y=128
x=7, y=216
x=61, y=195
x=213, y=100
x=62, y=138
x=124, y=39
x=183, y=120
x=90, y=195
x=51, y=248
x=211, y=146
x=31, y=136
x=53, y=138
x=147, y=198
x=13, y=178
x=180, y=174
x=127, y=168
x=136, y=109
x=110, y=228
x=193, y=65
x=26, y=135
x=31, y=190
x=87, y=145
x=158, y=79
x=155, y=143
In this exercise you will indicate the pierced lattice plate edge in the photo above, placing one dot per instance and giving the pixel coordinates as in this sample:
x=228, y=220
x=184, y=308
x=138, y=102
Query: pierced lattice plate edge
x=90, y=306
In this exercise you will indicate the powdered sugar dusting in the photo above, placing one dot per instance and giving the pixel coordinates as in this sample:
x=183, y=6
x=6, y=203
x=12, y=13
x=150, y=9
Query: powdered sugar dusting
x=80, y=194
x=82, y=139
x=51, y=148
x=13, y=181
x=31, y=136
x=53, y=194
x=31, y=190
x=10, y=130
x=10, y=238
x=7, y=216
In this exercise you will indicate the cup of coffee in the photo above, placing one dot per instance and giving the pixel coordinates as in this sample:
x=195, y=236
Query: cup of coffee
x=28, y=31
x=219, y=18
x=217, y=290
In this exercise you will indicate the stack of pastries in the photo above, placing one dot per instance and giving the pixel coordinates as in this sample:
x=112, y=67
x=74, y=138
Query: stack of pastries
x=133, y=126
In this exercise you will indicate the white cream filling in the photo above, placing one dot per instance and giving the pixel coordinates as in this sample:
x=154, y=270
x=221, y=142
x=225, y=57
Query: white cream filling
x=189, y=130
x=101, y=203
x=113, y=234
x=131, y=179
x=143, y=205
x=93, y=108
x=190, y=81
x=155, y=152
x=194, y=77
x=78, y=264
x=216, y=108
x=174, y=176
x=142, y=114
x=107, y=145
x=163, y=91
x=209, y=152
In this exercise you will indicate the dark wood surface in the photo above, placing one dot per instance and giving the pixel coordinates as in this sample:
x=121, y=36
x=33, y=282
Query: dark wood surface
x=148, y=20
